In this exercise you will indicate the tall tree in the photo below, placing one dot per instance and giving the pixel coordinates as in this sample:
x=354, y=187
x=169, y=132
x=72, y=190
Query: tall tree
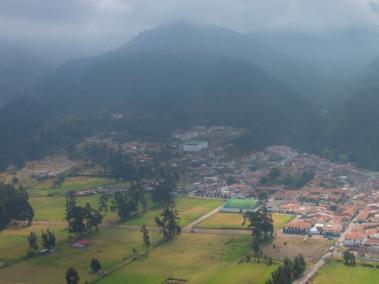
x=122, y=204
x=168, y=223
x=261, y=226
x=72, y=276
x=103, y=203
x=145, y=236
x=70, y=205
x=298, y=266
x=48, y=239
x=95, y=265
x=14, y=205
x=33, y=241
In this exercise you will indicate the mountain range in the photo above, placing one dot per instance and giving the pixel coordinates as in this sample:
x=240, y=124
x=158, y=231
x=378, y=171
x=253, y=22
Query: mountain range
x=179, y=75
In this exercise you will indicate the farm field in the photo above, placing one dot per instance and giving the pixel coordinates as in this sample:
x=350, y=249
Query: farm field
x=110, y=246
x=337, y=273
x=234, y=221
x=197, y=258
x=189, y=210
x=292, y=245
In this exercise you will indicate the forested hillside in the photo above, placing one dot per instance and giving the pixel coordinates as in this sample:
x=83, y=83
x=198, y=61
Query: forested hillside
x=19, y=71
x=156, y=91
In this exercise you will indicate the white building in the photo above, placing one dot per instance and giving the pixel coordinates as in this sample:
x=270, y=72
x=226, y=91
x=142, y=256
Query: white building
x=194, y=146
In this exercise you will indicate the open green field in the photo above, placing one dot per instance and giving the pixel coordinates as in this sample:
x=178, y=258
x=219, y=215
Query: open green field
x=45, y=188
x=198, y=258
x=338, y=273
x=52, y=208
x=234, y=221
x=189, y=209
x=14, y=244
x=110, y=246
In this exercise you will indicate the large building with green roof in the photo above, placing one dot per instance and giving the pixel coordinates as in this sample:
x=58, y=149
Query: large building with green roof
x=233, y=205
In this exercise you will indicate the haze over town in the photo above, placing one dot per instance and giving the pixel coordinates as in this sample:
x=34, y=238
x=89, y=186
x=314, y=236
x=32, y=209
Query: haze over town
x=188, y=141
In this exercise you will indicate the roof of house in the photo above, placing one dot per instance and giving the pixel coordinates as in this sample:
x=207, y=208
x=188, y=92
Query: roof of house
x=355, y=236
x=301, y=224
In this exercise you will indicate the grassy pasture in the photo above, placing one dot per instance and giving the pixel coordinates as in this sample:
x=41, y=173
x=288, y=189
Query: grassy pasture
x=198, y=258
x=337, y=273
x=189, y=209
x=234, y=221
x=110, y=246
x=14, y=244
x=52, y=208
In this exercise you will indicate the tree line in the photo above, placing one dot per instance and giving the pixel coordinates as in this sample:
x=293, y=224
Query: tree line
x=14, y=205
x=289, y=271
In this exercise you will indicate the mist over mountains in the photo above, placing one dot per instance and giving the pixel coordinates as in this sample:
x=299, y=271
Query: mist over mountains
x=180, y=74
x=19, y=72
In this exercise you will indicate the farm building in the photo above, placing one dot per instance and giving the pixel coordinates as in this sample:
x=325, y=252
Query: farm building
x=239, y=205
x=194, y=146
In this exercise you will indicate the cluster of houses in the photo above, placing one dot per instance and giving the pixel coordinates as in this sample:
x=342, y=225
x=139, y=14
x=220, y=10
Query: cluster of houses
x=314, y=220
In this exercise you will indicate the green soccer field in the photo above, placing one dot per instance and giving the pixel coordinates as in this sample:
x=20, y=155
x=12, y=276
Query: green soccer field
x=241, y=203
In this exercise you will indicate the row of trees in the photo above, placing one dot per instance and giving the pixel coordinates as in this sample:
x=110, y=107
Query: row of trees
x=47, y=240
x=81, y=219
x=288, y=271
x=295, y=181
x=124, y=166
x=14, y=205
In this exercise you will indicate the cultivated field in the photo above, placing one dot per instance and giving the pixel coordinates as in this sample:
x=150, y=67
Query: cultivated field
x=234, y=221
x=110, y=245
x=198, y=258
x=337, y=273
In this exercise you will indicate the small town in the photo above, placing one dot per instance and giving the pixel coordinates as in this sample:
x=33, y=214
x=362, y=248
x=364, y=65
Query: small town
x=331, y=207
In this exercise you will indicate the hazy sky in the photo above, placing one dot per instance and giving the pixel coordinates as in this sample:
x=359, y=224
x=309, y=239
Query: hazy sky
x=112, y=22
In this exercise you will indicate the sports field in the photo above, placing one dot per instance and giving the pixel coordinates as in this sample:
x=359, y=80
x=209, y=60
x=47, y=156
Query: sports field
x=241, y=203
x=338, y=273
